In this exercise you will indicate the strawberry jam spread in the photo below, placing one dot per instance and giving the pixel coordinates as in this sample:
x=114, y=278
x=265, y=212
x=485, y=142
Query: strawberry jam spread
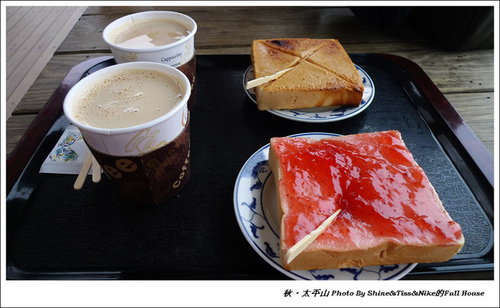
x=382, y=192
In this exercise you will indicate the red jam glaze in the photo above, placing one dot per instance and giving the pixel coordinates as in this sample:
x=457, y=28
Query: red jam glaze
x=384, y=195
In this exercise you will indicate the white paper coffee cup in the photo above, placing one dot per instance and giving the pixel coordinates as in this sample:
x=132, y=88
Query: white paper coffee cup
x=174, y=54
x=134, y=140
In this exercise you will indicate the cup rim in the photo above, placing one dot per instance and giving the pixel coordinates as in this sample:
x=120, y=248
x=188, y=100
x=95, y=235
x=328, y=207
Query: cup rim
x=159, y=67
x=120, y=20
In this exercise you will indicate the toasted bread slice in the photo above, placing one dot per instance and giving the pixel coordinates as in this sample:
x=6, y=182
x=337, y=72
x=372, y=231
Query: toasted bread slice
x=390, y=212
x=322, y=74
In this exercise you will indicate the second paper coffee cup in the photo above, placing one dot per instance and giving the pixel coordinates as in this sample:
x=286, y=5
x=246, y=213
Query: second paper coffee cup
x=155, y=36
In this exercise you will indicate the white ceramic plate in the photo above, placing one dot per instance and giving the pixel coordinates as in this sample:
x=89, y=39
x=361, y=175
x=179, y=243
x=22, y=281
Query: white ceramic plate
x=257, y=216
x=319, y=114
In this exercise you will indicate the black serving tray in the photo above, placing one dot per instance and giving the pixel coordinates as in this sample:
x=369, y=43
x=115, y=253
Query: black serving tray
x=55, y=232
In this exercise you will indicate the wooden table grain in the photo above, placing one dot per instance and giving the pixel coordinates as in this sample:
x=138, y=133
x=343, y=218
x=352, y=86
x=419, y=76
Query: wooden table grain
x=466, y=78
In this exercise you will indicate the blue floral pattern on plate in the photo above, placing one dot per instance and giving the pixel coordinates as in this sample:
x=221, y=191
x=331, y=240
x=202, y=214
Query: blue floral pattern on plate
x=319, y=114
x=257, y=215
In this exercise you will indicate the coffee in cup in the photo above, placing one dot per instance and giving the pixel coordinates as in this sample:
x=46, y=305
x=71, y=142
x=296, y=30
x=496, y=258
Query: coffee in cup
x=148, y=33
x=155, y=36
x=134, y=119
x=128, y=99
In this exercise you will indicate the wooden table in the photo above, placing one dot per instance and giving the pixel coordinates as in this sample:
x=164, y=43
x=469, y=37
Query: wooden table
x=465, y=78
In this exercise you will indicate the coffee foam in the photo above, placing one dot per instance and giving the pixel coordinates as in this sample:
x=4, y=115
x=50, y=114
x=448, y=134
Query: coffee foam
x=127, y=99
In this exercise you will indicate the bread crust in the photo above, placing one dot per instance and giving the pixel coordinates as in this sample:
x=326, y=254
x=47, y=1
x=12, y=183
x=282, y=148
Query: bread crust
x=385, y=254
x=383, y=251
x=322, y=74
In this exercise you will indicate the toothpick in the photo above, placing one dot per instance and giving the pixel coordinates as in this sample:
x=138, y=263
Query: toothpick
x=257, y=82
x=296, y=249
x=83, y=173
x=96, y=170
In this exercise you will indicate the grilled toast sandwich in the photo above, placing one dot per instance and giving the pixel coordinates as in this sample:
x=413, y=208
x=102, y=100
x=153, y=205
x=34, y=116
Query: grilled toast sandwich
x=321, y=74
